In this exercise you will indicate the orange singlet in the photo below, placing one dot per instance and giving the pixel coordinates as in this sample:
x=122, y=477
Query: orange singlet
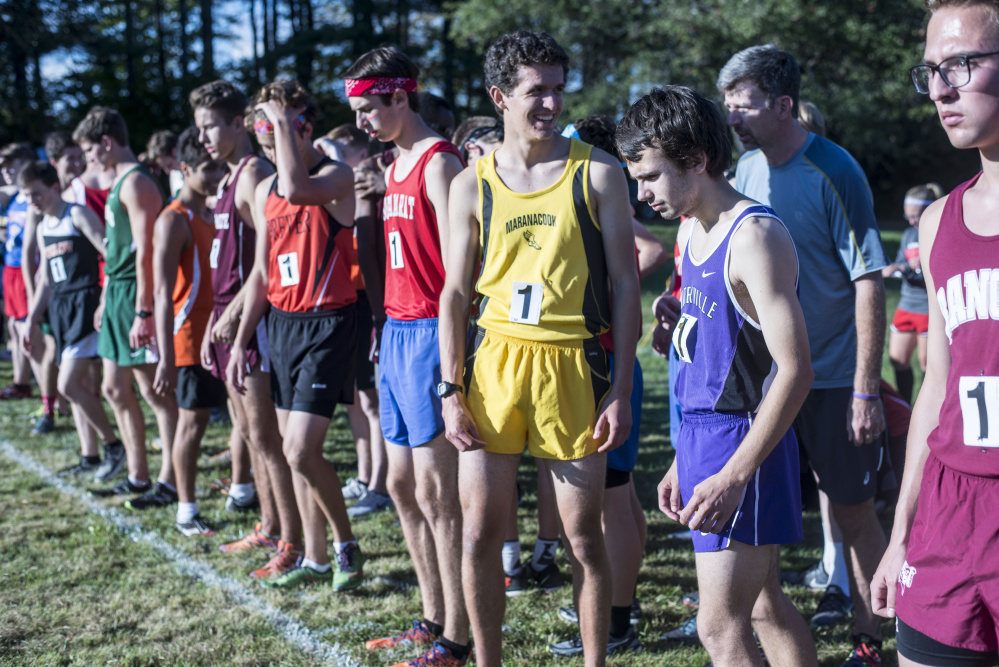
x=192, y=295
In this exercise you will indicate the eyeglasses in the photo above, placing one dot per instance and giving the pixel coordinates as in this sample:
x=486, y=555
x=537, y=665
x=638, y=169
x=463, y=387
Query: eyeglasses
x=955, y=72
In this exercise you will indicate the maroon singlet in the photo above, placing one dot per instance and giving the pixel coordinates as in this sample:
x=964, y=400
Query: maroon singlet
x=233, y=247
x=965, y=270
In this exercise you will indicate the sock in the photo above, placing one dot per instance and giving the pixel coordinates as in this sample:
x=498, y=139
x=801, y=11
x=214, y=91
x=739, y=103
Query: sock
x=48, y=404
x=136, y=483
x=167, y=485
x=23, y=387
x=904, y=379
x=313, y=565
x=620, y=621
x=839, y=576
x=511, y=557
x=457, y=650
x=186, y=512
x=114, y=443
x=92, y=460
x=435, y=630
x=338, y=547
x=242, y=493
x=544, y=554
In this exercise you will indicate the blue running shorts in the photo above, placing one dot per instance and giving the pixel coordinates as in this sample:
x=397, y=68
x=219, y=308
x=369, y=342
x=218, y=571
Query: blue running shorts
x=409, y=371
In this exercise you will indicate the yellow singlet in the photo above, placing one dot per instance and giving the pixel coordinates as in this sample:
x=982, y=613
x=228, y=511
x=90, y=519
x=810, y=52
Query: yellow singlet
x=544, y=274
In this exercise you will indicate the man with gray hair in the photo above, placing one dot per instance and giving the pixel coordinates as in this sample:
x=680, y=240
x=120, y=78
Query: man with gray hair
x=822, y=195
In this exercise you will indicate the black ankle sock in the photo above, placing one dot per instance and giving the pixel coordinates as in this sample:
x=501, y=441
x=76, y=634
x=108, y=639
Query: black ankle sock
x=91, y=460
x=620, y=621
x=435, y=630
x=457, y=650
x=904, y=379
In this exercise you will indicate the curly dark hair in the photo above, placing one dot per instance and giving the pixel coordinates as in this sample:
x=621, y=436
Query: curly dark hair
x=219, y=95
x=524, y=47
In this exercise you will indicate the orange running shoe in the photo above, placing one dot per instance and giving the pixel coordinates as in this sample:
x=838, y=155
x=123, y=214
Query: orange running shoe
x=437, y=656
x=418, y=635
x=284, y=560
x=255, y=539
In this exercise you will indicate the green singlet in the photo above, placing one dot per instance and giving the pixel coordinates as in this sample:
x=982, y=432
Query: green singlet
x=118, y=230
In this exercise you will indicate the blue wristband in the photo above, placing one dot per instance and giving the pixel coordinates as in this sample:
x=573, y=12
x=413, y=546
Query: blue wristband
x=865, y=397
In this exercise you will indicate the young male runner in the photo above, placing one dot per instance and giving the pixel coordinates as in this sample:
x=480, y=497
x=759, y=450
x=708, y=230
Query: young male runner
x=548, y=219
x=126, y=341
x=219, y=109
x=822, y=195
x=13, y=158
x=302, y=271
x=939, y=577
x=744, y=372
x=70, y=238
x=423, y=465
x=182, y=241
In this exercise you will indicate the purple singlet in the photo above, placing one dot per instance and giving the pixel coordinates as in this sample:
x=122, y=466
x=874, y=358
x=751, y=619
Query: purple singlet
x=233, y=247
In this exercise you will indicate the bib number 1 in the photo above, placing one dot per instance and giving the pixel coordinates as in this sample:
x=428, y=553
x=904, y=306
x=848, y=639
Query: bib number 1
x=58, y=269
x=395, y=250
x=525, y=302
x=288, y=267
x=980, y=409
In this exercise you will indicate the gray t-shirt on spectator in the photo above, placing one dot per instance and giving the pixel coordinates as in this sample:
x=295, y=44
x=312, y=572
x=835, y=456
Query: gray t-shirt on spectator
x=914, y=299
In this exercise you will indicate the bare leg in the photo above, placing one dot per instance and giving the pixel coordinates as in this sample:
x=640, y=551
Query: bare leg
x=379, y=456
x=165, y=411
x=865, y=544
x=486, y=483
x=417, y=531
x=241, y=462
x=780, y=627
x=186, y=448
x=75, y=384
x=117, y=388
x=548, y=515
x=20, y=359
x=48, y=371
x=312, y=521
x=624, y=543
x=361, y=430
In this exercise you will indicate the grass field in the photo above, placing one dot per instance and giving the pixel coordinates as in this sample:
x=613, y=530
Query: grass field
x=85, y=582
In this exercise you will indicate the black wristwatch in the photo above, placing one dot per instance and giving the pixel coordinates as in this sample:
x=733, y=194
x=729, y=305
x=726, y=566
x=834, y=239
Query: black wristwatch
x=445, y=389
x=143, y=314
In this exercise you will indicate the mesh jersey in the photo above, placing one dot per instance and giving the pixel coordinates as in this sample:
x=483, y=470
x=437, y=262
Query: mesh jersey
x=232, y=249
x=414, y=271
x=120, y=244
x=310, y=256
x=17, y=218
x=725, y=365
x=71, y=258
x=543, y=274
x=965, y=270
x=192, y=293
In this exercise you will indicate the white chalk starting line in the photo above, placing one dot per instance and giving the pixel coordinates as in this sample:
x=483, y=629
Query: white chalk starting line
x=297, y=634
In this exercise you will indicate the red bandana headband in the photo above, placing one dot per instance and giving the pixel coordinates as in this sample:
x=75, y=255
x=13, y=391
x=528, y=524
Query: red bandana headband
x=264, y=126
x=378, y=86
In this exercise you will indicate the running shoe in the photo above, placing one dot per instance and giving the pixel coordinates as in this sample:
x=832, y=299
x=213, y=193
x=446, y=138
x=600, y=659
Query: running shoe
x=866, y=652
x=418, y=635
x=834, y=608
x=635, y=617
x=37, y=414
x=437, y=656
x=233, y=506
x=572, y=616
x=549, y=578
x=372, y=501
x=348, y=570
x=354, y=489
x=573, y=647
x=814, y=578
x=156, y=444
x=282, y=561
x=685, y=634
x=300, y=576
x=15, y=391
x=222, y=485
x=80, y=468
x=122, y=488
x=43, y=425
x=254, y=540
x=692, y=600
x=158, y=496
x=518, y=582
x=196, y=527
x=222, y=458
x=114, y=461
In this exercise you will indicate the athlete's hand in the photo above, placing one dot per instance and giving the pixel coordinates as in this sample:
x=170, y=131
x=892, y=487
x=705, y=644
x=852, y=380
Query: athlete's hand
x=225, y=328
x=865, y=421
x=24, y=330
x=206, y=346
x=142, y=332
x=275, y=110
x=236, y=370
x=613, y=422
x=165, y=379
x=661, y=340
x=666, y=310
x=884, y=586
x=369, y=183
x=458, y=425
x=376, y=341
x=711, y=505
x=670, y=502
x=98, y=315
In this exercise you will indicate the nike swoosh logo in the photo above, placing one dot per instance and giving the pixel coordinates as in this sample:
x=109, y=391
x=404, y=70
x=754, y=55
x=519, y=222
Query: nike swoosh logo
x=705, y=275
x=137, y=353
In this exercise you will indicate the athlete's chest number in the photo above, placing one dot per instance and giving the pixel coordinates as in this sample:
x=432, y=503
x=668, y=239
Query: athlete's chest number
x=980, y=409
x=58, y=269
x=525, y=302
x=681, y=337
x=395, y=250
x=213, y=258
x=288, y=267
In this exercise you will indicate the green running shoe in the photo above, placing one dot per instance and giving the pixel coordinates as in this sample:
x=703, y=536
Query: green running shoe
x=300, y=576
x=349, y=568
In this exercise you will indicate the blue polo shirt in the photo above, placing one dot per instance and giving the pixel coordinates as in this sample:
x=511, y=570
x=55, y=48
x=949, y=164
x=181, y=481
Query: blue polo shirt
x=822, y=196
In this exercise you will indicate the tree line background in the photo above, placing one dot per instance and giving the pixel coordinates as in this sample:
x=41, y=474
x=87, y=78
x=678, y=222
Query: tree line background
x=144, y=56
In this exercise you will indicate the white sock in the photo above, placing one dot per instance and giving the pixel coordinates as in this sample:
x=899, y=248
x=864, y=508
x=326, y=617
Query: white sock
x=241, y=493
x=136, y=482
x=313, y=565
x=338, y=547
x=839, y=576
x=511, y=557
x=186, y=512
x=544, y=553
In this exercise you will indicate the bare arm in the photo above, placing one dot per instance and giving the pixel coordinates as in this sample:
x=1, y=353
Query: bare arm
x=29, y=249
x=440, y=171
x=39, y=301
x=90, y=226
x=172, y=235
x=865, y=419
x=764, y=263
x=372, y=265
x=142, y=200
x=651, y=252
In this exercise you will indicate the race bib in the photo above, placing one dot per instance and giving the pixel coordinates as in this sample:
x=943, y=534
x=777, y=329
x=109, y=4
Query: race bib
x=288, y=266
x=979, y=396
x=525, y=302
